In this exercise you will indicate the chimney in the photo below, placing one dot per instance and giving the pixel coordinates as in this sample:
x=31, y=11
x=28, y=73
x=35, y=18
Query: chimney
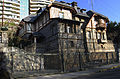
x=74, y=4
x=52, y=0
x=82, y=10
x=39, y=10
x=62, y=2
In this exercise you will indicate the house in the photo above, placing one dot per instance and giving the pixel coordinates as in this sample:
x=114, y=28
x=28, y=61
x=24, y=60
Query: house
x=96, y=39
x=63, y=34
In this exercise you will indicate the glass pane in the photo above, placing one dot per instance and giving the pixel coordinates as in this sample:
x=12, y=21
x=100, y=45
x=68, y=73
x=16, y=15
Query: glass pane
x=61, y=15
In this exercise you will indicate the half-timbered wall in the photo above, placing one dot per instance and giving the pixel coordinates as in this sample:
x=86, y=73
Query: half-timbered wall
x=96, y=38
x=58, y=13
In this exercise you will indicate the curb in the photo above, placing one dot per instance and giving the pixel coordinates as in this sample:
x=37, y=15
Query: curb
x=103, y=70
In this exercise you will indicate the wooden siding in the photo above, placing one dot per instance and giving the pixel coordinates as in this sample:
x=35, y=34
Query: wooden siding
x=54, y=13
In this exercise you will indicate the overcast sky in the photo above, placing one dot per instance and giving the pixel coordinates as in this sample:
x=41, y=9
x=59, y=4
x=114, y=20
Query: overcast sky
x=109, y=8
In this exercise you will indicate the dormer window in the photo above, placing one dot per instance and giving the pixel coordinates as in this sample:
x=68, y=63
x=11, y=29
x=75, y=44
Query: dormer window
x=61, y=15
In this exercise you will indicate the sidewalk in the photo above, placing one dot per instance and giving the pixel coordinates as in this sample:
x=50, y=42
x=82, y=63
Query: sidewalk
x=76, y=74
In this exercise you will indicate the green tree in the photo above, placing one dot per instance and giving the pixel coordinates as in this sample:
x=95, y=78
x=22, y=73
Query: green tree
x=113, y=31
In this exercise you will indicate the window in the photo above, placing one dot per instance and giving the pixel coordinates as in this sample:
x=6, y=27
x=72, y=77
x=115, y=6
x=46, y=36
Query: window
x=96, y=35
x=71, y=44
x=29, y=28
x=103, y=36
x=0, y=37
x=89, y=35
x=62, y=28
x=74, y=28
x=69, y=28
x=61, y=15
x=99, y=35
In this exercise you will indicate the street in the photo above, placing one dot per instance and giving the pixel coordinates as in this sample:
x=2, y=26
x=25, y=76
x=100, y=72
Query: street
x=111, y=74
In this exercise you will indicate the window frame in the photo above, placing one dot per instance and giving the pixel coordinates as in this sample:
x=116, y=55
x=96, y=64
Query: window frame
x=0, y=37
x=89, y=35
x=61, y=14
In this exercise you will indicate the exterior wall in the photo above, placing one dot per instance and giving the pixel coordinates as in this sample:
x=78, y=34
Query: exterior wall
x=35, y=5
x=96, y=39
x=42, y=21
x=54, y=13
x=51, y=37
x=71, y=45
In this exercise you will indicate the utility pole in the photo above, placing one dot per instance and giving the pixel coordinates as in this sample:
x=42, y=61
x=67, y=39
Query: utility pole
x=92, y=4
x=3, y=14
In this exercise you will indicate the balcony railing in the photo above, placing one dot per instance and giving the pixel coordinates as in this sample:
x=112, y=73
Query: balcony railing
x=101, y=26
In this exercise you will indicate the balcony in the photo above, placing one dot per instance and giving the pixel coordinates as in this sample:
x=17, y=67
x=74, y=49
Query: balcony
x=100, y=26
x=102, y=41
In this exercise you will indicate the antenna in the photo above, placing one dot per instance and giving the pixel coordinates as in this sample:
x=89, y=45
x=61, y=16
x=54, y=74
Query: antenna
x=92, y=4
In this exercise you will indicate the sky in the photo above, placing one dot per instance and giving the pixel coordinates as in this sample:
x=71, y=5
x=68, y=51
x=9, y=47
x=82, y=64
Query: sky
x=109, y=8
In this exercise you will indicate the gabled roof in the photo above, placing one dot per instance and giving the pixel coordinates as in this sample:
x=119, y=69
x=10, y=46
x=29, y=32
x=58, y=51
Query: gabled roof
x=30, y=18
x=82, y=14
x=63, y=5
x=91, y=12
x=60, y=3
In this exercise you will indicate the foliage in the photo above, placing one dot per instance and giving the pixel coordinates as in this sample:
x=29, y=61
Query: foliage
x=12, y=27
x=113, y=31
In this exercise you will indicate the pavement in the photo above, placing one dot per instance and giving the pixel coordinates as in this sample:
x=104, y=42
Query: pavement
x=73, y=75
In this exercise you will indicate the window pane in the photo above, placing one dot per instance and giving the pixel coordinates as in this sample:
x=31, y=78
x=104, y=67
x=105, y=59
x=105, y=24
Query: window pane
x=99, y=35
x=74, y=28
x=68, y=29
x=72, y=43
x=103, y=35
x=62, y=28
x=61, y=15
x=89, y=34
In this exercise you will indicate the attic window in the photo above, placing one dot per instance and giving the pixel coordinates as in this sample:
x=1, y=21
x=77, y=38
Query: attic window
x=61, y=15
